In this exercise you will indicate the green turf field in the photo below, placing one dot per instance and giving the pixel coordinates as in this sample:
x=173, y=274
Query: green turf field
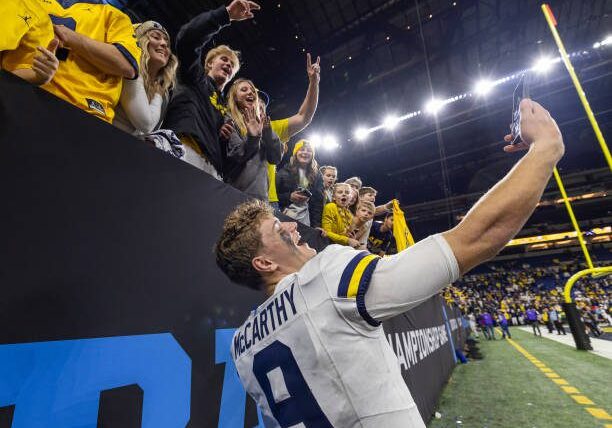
x=505, y=389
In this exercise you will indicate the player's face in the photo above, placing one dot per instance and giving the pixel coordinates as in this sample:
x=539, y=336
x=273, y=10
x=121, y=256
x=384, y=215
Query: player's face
x=221, y=69
x=369, y=197
x=364, y=214
x=246, y=96
x=159, y=50
x=329, y=177
x=304, y=155
x=281, y=242
x=342, y=196
x=389, y=222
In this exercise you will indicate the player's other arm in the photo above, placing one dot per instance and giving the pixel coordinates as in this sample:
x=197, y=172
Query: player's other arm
x=501, y=213
x=106, y=57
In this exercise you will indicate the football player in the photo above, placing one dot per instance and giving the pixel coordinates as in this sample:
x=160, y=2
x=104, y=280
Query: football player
x=314, y=353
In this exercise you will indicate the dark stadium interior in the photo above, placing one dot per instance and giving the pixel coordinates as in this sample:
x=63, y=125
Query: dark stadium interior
x=374, y=63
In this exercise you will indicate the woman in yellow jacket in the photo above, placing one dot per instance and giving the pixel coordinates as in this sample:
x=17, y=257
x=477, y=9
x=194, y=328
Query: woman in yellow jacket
x=337, y=218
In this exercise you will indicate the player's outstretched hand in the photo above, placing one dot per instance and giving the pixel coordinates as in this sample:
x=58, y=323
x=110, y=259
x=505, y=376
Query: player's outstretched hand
x=239, y=10
x=537, y=128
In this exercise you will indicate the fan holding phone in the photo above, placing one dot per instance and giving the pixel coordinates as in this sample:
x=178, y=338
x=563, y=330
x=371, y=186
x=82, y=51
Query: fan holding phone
x=300, y=186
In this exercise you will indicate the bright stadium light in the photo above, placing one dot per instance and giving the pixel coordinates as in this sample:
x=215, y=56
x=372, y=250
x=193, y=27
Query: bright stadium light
x=543, y=65
x=329, y=142
x=604, y=42
x=483, y=87
x=315, y=140
x=390, y=122
x=361, y=134
x=433, y=106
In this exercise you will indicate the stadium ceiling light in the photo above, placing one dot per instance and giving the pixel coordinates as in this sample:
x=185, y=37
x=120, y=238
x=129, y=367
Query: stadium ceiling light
x=604, y=42
x=330, y=142
x=391, y=122
x=434, y=105
x=315, y=140
x=543, y=65
x=483, y=87
x=361, y=134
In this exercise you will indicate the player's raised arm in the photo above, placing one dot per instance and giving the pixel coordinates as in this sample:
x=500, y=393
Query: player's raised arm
x=410, y=277
x=501, y=213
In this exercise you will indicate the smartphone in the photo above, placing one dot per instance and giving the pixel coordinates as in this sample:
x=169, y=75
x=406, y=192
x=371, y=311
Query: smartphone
x=520, y=92
x=304, y=191
x=228, y=119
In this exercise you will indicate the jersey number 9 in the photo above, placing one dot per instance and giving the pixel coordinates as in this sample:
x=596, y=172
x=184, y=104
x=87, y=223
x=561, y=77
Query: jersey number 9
x=295, y=404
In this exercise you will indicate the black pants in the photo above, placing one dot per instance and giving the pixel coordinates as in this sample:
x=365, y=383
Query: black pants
x=559, y=327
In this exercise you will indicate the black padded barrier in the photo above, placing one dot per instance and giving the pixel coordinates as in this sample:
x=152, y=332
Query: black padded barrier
x=109, y=286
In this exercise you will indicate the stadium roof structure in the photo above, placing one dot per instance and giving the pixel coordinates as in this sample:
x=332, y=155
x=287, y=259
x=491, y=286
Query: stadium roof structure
x=388, y=57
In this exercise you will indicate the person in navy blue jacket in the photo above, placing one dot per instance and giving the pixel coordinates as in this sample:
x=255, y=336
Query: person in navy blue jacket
x=197, y=110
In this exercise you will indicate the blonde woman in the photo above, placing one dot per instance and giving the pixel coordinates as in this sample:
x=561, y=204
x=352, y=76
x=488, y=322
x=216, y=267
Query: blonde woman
x=251, y=142
x=300, y=186
x=144, y=100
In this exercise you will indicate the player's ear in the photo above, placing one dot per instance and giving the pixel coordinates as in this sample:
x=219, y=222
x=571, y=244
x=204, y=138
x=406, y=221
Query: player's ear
x=263, y=264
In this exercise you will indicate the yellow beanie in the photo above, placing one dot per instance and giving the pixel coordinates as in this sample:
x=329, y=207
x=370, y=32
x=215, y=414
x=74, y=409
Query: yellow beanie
x=300, y=144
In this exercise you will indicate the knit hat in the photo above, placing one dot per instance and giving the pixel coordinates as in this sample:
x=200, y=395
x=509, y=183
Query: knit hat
x=300, y=144
x=143, y=28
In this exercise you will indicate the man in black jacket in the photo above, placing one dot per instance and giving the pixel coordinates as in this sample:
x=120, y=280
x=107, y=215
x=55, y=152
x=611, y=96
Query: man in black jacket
x=196, y=112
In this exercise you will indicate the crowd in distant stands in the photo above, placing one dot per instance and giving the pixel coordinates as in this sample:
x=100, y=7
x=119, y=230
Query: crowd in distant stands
x=520, y=293
x=180, y=98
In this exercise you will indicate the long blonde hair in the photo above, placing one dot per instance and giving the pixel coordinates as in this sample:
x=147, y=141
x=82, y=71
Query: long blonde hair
x=234, y=109
x=166, y=77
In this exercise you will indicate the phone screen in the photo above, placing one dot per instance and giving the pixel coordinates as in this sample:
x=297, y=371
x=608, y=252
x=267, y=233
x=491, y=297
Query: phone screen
x=520, y=92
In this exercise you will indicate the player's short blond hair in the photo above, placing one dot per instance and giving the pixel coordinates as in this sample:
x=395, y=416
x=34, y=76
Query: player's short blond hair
x=222, y=50
x=240, y=241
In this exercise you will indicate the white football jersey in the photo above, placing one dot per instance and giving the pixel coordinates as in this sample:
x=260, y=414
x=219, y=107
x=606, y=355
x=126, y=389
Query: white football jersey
x=314, y=354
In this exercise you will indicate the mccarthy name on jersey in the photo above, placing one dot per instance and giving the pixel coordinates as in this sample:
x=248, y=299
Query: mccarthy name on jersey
x=279, y=310
x=314, y=353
